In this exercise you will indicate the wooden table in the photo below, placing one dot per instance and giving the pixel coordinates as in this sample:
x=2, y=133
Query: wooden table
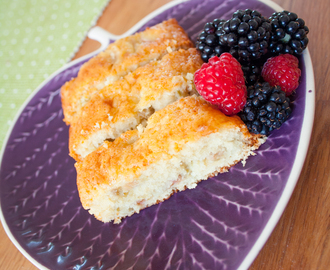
x=301, y=239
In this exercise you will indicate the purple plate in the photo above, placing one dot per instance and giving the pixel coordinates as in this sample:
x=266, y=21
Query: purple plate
x=222, y=224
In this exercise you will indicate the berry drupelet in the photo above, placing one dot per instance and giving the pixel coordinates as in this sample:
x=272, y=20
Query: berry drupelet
x=289, y=33
x=266, y=109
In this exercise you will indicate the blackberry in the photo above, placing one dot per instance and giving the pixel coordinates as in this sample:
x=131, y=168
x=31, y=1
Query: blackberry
x=208, y=41
x=252, y=71
x=266, y=109
x=289, y=33
x=246, y=35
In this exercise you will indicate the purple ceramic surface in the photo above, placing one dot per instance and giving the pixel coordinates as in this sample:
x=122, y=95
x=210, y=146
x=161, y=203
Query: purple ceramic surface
x=213, y=226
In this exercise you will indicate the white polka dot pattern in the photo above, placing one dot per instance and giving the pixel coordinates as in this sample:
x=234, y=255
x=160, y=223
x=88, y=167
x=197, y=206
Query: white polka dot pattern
x=37, y=37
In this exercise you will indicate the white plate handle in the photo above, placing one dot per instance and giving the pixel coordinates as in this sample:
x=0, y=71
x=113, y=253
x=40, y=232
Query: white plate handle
x=99, y=34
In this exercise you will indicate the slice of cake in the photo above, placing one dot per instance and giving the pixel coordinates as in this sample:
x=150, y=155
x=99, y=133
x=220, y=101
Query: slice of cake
x=129, y=102
x=182, y=144
x=119, y=59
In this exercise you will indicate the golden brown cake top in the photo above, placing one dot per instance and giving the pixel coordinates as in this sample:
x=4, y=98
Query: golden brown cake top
x=167, y=132
x=120, y=58
x=127, y=98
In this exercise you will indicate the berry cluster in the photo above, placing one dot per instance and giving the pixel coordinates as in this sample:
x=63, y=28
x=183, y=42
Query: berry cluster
x=246, y=36
x=289, y=33
x=267, y=108
x=266, y=50
x=208, y=40
x=249, y=36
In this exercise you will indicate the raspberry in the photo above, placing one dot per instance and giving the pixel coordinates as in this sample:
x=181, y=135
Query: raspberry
x=221, y=82
x=282, y=70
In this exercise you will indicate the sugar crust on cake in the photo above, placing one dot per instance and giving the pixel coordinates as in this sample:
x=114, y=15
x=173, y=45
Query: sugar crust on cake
x=182, y=144
x=129, y=102
x=120, y=58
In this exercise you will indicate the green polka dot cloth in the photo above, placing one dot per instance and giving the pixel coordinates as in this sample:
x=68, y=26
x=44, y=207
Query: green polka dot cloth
x=37, y=37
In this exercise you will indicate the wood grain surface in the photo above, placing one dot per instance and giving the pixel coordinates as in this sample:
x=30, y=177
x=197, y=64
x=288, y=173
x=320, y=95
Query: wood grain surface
x=301, y=239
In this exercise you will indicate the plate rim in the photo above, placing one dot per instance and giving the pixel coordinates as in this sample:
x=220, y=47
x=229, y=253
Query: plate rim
x=299, y=161
x=99, y=34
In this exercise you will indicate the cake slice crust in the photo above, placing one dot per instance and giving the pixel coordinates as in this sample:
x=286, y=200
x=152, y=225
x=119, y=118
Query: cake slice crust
x=129, y=102
x=119, y=59
x=182, y=144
